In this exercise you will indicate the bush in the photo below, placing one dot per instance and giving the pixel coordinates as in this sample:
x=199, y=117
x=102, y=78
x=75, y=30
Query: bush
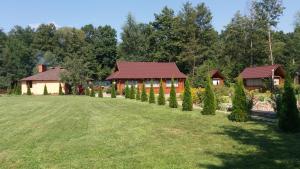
x=100, y=92
x=45, y=90
x=151, y=94
x=144, y=96
x=127, y=91
x=161, y=96
x=87, y=91
x=138, y=94
x=209, y=99
x=113, y=91
x=28, y=90
x=18, y=90
x=60, y=92
x=173, y=100
x=187, y=104
x=289, y=120
x=240, y=106
x=132, y=92
x=92, y=93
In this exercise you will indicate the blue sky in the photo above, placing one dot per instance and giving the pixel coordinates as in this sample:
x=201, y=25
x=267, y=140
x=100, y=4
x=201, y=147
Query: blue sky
x=113, y=12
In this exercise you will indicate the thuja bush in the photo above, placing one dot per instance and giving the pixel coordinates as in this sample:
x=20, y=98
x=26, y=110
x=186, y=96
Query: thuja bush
x=132, y=92
x=45, y=90
x=127, y=91
x=187, y=103
x=113, y=91
x=173, y=100
x=92, y=93
x=151, y=94
x=144, y=96
x=209, y=100
x=60, y=92
x=138, y=94
x=161, y=96
x=100, y=92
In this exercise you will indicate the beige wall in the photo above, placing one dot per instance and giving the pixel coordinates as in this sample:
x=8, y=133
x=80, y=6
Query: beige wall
x=38, y=87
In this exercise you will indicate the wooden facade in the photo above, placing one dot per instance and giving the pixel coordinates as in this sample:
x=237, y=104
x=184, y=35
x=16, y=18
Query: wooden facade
x=217, y=78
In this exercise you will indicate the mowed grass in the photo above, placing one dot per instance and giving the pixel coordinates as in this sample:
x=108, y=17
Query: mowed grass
x=84, y=132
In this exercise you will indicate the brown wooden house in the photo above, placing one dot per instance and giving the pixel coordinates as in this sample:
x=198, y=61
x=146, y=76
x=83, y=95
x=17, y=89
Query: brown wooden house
x=135, y=73
x=258, y=77
x=217, y=77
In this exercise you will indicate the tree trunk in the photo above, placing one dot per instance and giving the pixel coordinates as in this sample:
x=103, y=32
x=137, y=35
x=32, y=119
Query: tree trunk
x=270, y=46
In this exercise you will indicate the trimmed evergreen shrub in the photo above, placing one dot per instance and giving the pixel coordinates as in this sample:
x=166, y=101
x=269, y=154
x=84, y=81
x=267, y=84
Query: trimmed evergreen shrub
x=173, y=100
x=28, y=90
x=151, y=94
x=92, y=93
x=18, y=90
x=113, y=91
x=289, y=120
x=100, y=92
x=45, y=90
x=240, y=107
x=187, y=103
x=132, y=92
x=60, y=92
x=161, y=96
x=138, y=94
x=127, y=90
x=144, y=96
x=87, y=91
x=209, y=99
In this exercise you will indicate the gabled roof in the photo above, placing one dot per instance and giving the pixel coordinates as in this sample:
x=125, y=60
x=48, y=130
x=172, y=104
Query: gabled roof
x=216, y=72
x=145, y=70
x=259, y=72
x=52, y=74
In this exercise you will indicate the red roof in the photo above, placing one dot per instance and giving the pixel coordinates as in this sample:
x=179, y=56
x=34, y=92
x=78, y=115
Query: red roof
x=52, y=74
x=216, y=72
x=259, y=72
x=146, y=70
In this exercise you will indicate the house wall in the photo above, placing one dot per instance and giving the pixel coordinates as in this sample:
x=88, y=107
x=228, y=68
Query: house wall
x=121, y=84
x=38, y=87
x=252, y=84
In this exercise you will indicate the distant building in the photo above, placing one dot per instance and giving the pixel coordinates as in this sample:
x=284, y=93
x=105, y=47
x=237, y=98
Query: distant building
x=49, y=77
x=135, y=73
x=257, y=77
x=217, y=77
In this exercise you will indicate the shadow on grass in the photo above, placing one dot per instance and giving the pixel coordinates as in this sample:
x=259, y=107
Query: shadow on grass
x=272, y=149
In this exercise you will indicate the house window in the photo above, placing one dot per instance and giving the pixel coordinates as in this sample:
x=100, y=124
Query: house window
x=254, y=82
x=169, y=83
x=132, y=82
x=155, y=83
x=276, y=81
x=29, y=83
x=216, y=82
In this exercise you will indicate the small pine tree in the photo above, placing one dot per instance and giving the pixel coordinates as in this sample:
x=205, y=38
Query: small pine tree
x=45, y=90
x=28, y=90
x=92, y=93
x=240, y=108
x=132, y=92
x=138, y=94
x=173, y=100
x=151, y=94
x=161, y=97
x=144, y=96
x=127, y=90
x=87, y=91
x=187, y=103
x=113, y=91
x=60, y=92
x=209, y=99
x=289, y=120
x=100, y=92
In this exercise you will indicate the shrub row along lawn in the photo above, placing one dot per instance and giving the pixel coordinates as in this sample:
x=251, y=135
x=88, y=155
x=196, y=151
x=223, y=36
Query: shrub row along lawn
x=87, y=132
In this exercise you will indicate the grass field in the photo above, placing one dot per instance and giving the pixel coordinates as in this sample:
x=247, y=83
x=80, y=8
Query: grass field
x=85, y=132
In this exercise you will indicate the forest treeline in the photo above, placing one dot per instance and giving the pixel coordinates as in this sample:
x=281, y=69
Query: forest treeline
x=186, y=37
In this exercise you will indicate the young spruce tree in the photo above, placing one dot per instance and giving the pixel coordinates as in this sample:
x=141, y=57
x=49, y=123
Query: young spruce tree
x=127, y=90
x=138, y=93
x=289, y=120
x=187, y=103
x=173, y=100
x=113, y=91
x=132, y=92
x=209, y=98
x=144, y=96
x=151, y=94
x=45, y=90
x=240, y=108
x=100, y=92
x=60, y=92
x=161, y=96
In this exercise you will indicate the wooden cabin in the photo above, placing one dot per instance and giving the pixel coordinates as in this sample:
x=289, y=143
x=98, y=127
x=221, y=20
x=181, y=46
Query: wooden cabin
x=217, y=77
x=137, y=73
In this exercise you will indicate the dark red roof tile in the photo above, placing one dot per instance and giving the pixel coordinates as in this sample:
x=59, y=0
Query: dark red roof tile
x=52, y=74
x=259, y=72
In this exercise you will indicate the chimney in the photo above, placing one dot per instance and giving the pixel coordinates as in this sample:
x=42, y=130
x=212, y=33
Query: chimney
x=41, y=68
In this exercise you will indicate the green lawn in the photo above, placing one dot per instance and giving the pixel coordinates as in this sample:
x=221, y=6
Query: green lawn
x=85, y=132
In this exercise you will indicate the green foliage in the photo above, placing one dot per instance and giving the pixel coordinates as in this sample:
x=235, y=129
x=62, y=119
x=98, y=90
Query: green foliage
x=60, y=92
x=127, y=90
x=187, y=103
x=289, y=117
x=144, y=96
x=173, y=100
x=17, y=89
x=132, y=92
x=28, y=90
x=92, y=93
x=240, y=107
x=45, y=90
x=113, y=91
x=87, y=91
x=209, y=98
x=100, y=92
x=161, y=96
x=151, y=94
x=138, y=93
